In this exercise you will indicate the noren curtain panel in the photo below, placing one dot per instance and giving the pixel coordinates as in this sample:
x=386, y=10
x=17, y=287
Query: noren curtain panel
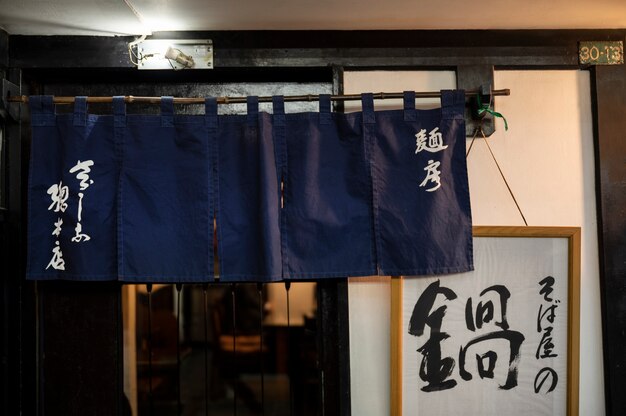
x=162, y=198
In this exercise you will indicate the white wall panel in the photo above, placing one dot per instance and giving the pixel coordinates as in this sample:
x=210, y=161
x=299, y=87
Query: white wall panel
x=547, y=157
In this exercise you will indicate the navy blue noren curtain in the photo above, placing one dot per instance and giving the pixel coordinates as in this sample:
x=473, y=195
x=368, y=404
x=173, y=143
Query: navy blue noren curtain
x=294, y=196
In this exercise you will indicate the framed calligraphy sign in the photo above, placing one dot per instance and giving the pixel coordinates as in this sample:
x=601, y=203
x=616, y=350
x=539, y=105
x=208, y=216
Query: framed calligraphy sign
x=502, y=339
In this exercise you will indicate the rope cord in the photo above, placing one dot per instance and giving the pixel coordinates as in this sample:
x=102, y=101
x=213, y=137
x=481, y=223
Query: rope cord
x=519, y=209
x=472, y=143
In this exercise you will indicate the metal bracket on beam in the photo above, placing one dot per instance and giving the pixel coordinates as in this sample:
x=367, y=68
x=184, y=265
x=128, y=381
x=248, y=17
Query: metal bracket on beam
x=9, y=89
x=470, y=77
x=175, y=54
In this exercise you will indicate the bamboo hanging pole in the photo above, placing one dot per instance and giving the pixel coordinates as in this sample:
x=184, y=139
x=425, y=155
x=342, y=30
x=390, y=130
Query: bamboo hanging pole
x=129, y=99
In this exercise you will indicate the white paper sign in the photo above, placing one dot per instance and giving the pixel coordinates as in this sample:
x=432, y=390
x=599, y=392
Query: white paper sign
x=493, y=341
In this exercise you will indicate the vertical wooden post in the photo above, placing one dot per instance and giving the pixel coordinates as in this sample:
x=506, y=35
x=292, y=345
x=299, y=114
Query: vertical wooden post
x=610, y=133
x=333, y=346
x=396, y=345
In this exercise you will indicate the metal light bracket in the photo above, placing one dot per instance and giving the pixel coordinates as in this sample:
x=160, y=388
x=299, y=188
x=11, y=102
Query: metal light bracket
x=174, y=54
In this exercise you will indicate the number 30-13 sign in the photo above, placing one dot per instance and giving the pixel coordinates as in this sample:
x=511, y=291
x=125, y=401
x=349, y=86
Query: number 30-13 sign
x=601, y=53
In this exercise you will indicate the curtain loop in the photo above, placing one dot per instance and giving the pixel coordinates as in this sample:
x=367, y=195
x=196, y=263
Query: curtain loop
x=210, y=112
x=47, y=104
x=325, y=117
x=452, y=104
x=278, y=108
x=367, y=104
x=253, y=109
x=119, y=111
x=35, y=104
x=80, y=111
x=167, y=111
x=42, y=110
x=409, y=106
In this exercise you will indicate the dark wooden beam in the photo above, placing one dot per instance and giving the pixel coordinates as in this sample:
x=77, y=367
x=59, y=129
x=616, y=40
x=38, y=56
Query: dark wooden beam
x=610, y=131
x=447, y=48
x=396, y=57
x=68, y=52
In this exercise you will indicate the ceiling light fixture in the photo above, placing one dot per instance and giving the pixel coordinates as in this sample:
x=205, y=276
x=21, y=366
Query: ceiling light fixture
x=177, y=55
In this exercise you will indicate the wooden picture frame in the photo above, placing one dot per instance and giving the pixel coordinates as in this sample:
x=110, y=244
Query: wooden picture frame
x=500, y=246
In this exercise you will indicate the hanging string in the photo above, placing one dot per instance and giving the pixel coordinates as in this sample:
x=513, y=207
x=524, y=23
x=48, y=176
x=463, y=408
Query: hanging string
x=233, y=298
x=150, y=398
x=259, y=287
x=206, y=349
x=519, y=209
x=179, y=405
x=289, y=371
x=472, y=143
